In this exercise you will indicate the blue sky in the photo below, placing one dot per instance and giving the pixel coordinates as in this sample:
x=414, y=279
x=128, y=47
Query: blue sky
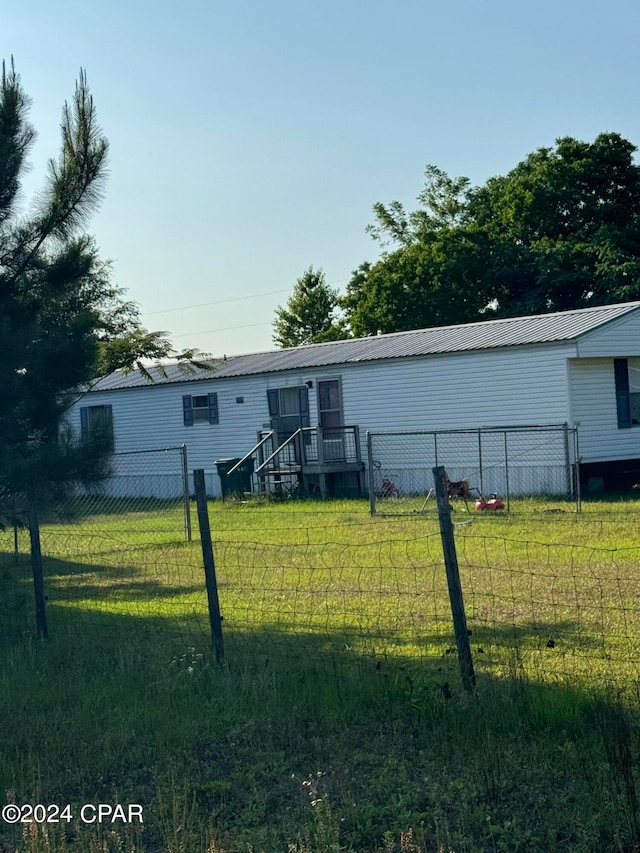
x=250, y=140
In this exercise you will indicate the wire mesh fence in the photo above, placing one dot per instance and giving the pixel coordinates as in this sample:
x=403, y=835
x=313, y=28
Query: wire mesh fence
x=552, y=610
x=348, y=592
x=514, y=463
x=118, y=584
x=549, y=611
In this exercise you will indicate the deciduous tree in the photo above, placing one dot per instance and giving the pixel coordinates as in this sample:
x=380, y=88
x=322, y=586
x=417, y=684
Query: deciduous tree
x=559, y=231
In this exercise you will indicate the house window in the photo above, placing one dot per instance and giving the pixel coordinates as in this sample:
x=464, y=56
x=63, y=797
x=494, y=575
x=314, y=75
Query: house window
x=200, y=408
x=289, y=402
x=96, y=423
x=627, y=380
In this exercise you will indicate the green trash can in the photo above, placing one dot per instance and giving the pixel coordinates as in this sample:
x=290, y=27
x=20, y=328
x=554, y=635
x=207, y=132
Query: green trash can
x=237, y=483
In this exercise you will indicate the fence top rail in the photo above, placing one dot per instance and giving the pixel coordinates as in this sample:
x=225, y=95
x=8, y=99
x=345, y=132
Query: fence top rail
x=149, y=450
x=476, y=430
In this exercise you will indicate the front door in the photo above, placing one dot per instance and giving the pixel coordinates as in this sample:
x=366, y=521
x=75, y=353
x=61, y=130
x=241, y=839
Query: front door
x=288, y=410
x=330, y=417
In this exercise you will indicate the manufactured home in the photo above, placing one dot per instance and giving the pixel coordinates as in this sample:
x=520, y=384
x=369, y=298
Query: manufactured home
x=301, y=415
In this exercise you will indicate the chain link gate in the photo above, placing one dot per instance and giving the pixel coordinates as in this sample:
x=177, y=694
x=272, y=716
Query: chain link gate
x=512, y=463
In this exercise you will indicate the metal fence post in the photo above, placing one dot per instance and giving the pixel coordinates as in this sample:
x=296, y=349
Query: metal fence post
x=577, y=468
x=16, y=541
x=453, y=580
x=506, y=470
x=372, y=486
x=185, y=488
x=215, y=619
x=567, y=459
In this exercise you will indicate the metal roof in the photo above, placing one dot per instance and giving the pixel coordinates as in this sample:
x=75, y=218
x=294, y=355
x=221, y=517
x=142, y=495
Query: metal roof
x=489, y=334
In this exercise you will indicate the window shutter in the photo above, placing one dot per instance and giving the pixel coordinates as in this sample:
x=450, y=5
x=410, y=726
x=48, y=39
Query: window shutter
x=84, y=424
x=272, y=400
x=303, y=395
x=623, y=401
x=213, y=408
x=187, y=410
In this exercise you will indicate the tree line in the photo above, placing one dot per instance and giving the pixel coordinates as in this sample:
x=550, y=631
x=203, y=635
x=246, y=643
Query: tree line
x=559, y=231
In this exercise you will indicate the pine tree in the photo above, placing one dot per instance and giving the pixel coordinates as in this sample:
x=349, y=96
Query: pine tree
x=62, y=321
x=310, y=315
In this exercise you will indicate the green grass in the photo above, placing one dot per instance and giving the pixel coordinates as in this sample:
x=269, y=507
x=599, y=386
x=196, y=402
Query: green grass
x=337, y=720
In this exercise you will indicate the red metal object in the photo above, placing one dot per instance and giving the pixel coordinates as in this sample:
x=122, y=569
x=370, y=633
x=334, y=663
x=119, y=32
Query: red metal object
x=492, y=504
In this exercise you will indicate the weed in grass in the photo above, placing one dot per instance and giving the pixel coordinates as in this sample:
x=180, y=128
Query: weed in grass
x=178, y=817
x=325, y=832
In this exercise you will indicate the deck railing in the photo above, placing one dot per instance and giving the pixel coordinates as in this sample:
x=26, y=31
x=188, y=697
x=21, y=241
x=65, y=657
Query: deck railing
x=333, y=445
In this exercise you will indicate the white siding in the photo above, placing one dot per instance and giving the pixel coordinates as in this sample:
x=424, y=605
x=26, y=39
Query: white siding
x=593, y=398
x=512, y=386
x=544, y=383
x=509, y=387
x=618, y=338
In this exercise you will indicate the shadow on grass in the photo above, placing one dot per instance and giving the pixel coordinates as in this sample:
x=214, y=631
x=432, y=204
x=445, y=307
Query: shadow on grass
x=364, y=708
x=86, y=596
x=132, y=574
x=88, y=600
x=160, y=639
x=502, y=651
x=69, y=581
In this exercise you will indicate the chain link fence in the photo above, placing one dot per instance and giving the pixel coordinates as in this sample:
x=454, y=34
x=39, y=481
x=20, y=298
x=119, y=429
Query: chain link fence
x=141, y=481
x=513, y=463
x=147, y=492
x=123, y=533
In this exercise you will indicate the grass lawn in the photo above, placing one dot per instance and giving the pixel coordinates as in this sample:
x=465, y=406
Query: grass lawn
x=337, y=720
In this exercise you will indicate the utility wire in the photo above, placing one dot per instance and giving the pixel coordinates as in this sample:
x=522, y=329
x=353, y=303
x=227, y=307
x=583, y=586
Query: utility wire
x=224, y=301
x=225, y=329
x=217, y=302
